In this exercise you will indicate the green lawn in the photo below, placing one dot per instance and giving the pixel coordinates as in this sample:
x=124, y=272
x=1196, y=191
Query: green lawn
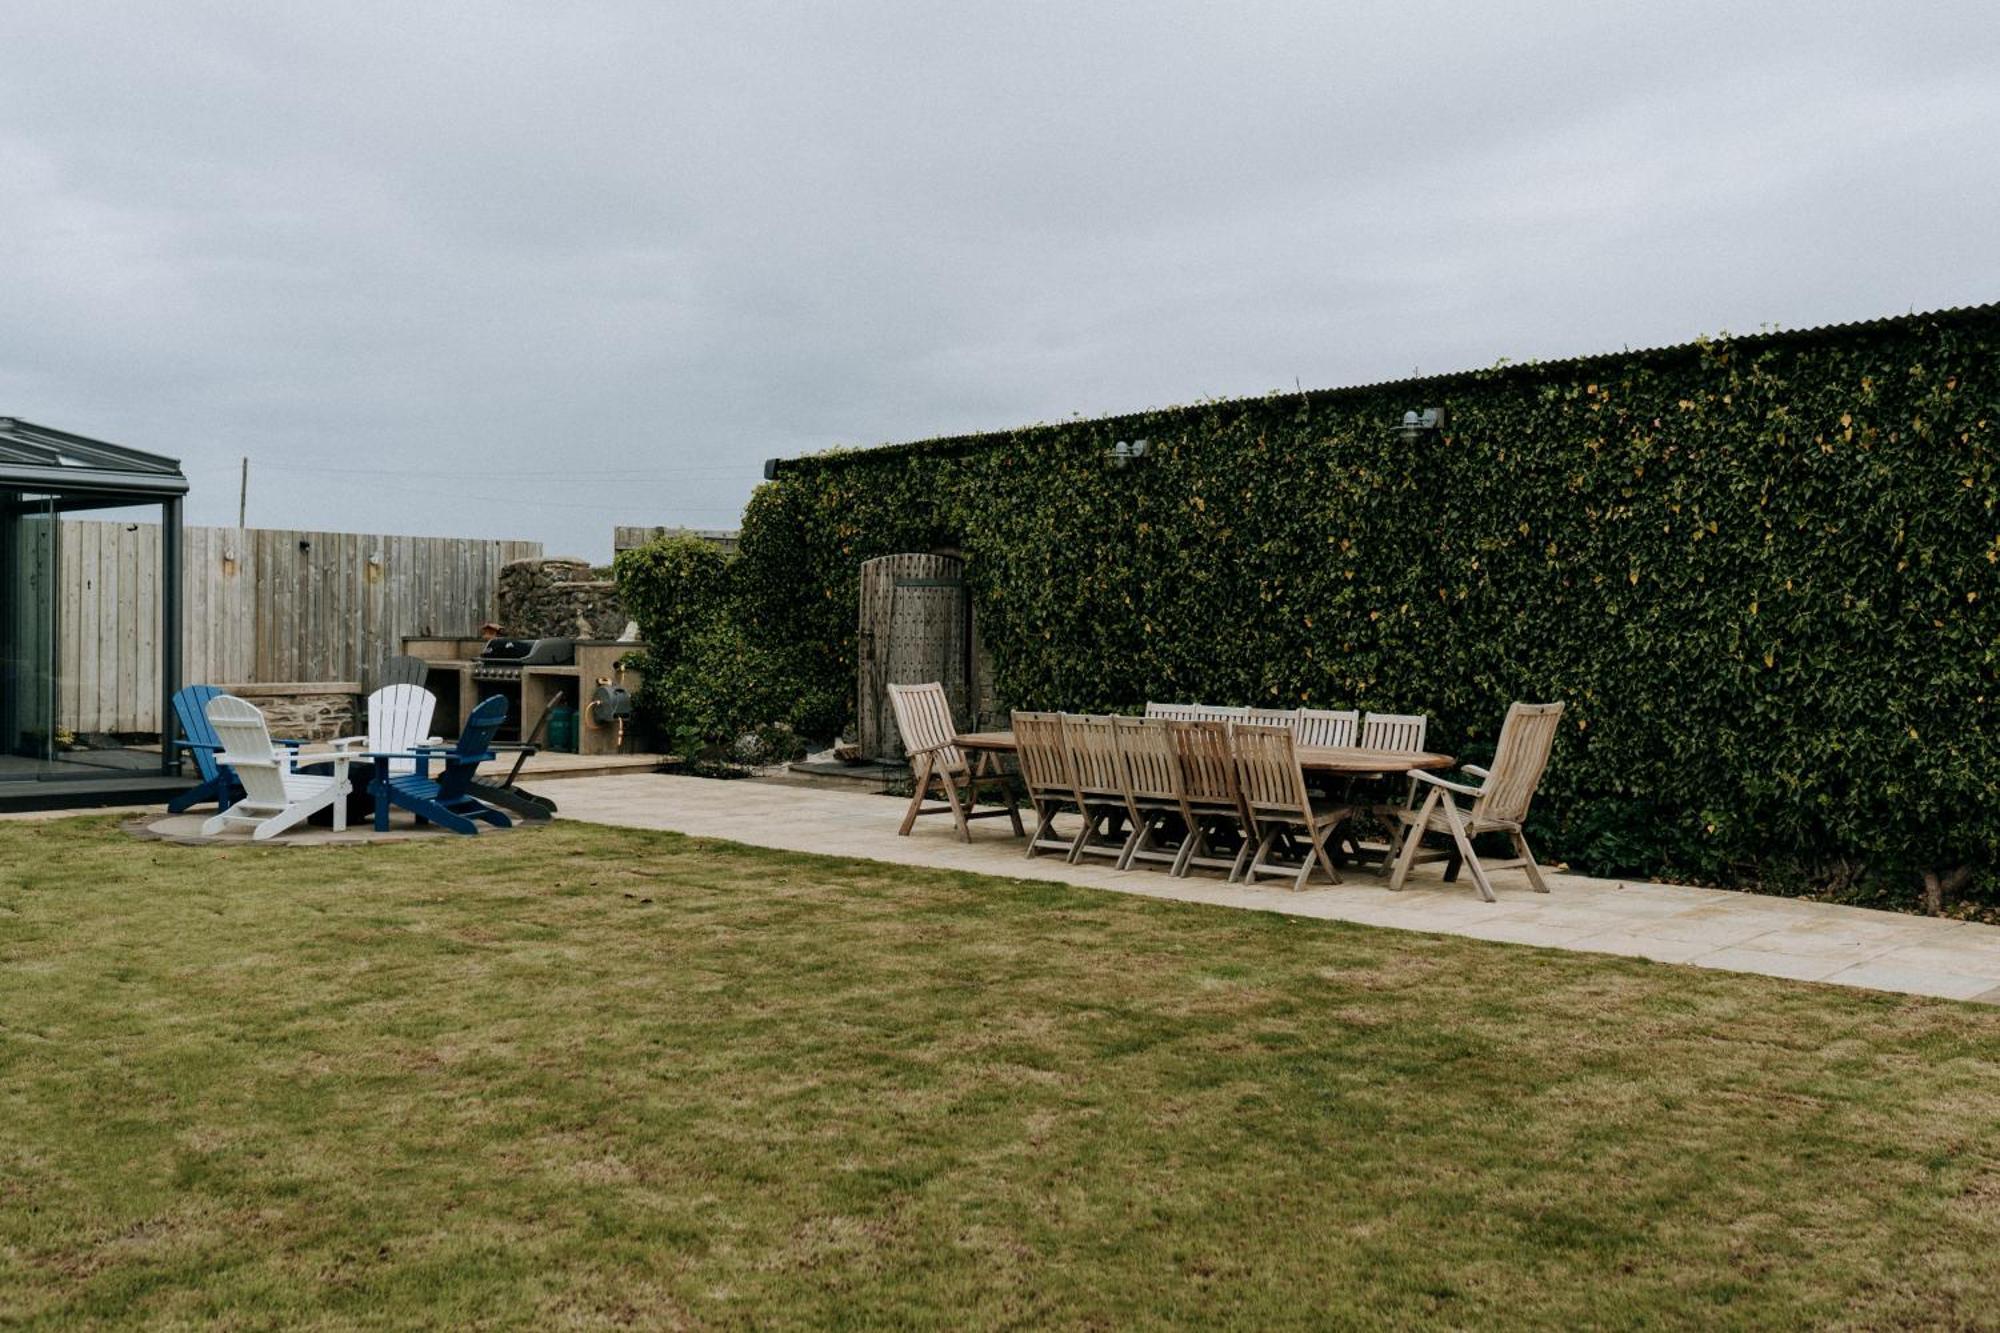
x=578, y=1076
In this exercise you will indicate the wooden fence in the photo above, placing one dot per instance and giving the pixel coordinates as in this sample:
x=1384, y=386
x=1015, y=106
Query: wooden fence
x=257, y=604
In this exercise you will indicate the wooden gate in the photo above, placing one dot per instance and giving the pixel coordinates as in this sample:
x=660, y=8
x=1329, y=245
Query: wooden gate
x=915, y=627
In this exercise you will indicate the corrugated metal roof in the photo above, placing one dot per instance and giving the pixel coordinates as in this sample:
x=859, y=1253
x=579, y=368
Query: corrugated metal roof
x=946, y=445
x=42, y=458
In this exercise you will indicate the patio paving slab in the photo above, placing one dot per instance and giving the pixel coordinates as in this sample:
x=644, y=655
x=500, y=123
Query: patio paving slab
x=1669, y=923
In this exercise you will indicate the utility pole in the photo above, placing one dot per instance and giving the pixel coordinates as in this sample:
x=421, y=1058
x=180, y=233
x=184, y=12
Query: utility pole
x=243, y=492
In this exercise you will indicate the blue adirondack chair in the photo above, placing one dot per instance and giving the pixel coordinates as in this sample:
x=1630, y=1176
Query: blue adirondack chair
x=198, y=738
x=447, y=799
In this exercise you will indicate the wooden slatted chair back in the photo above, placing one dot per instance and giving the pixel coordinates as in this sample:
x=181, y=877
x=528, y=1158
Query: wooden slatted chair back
x=1207, y=767
x=1093, y=756
x=1327, y=728
x=1267, y=768
x=1273, y=717
x=1225, y=712
x=247, y=749
x=1402, y=733
x=1174, y=712
x=923, y=715
x=1146, y=748
x=1526, y=738
x=1042, y=754
x=399, y=718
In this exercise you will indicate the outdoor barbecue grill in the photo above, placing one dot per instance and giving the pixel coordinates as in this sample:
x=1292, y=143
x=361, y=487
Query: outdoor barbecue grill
x=502, y=659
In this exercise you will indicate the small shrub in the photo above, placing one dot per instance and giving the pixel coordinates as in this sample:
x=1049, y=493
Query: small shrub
x=708, y=688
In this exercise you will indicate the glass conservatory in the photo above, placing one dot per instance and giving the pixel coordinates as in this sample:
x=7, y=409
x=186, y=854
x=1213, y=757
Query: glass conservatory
x=78, y=720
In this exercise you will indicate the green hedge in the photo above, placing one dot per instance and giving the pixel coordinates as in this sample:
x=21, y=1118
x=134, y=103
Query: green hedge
x=1760, y=572
x=708, y=688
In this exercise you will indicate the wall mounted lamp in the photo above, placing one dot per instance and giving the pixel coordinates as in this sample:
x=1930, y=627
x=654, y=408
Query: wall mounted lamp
x=1416, y=425
x=1125, y=451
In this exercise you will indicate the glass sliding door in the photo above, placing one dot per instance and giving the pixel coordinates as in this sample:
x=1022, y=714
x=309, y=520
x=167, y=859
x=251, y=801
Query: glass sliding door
x=29, y=720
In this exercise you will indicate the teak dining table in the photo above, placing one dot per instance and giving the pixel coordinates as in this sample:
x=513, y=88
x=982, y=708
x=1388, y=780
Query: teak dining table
x=1351, y=761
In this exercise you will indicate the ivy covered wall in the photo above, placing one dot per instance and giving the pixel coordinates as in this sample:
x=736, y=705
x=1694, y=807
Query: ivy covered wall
x=1760, y=572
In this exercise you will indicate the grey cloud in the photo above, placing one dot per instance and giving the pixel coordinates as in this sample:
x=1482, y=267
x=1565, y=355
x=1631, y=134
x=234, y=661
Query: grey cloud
x=374, y=245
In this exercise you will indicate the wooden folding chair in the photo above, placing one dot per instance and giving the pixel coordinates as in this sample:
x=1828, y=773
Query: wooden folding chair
x=1274, y=791
x=1402, y=733
x=1100, y=787
x=1499, y=804
x=1043, y=755
x=1324, y=728
x=1219, y=835
x=1152, y=789
x=923, y=715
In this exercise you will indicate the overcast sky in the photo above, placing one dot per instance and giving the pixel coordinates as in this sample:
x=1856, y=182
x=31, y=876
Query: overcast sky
x=532, y=270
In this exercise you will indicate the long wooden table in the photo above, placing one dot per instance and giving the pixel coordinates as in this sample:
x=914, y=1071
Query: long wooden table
x=1351, y=761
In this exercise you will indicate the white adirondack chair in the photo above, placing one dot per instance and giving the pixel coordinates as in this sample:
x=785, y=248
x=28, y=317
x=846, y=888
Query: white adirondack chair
x=275, y=797
x=399, y=720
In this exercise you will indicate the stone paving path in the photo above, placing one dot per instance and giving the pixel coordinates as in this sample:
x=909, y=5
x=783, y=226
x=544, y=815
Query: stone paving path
x=1737, y=932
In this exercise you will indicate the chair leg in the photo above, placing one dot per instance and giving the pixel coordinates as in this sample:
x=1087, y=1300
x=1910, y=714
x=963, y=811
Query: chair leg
x=917, y=797
x=1528, y=862
x=1133, y=841
x=1082, y=838
x=1257, y=858
x=1306, y=861
x=1464, y=842
x=1325, y=855
x=1193, y=845
x=957, y=810
x=1045, y=822
x=1245, y=856
x=212, y=790
x=1413, y=838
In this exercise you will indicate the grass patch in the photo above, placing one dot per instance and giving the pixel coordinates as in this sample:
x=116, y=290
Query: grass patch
x=585, y=1076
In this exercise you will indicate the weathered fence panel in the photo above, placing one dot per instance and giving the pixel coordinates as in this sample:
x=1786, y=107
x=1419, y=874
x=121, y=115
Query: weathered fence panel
x=258, y=604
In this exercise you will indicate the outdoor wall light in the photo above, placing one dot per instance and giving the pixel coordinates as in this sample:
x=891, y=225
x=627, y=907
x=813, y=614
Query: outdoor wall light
x=1416, y=425
x=1124, y=451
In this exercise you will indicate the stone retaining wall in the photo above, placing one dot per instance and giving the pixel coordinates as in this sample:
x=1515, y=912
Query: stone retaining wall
x=559, y=597
x=307, y=710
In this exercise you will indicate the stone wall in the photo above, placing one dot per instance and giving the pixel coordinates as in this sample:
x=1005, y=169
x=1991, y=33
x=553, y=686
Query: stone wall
x=559, y=598
x=307, y=710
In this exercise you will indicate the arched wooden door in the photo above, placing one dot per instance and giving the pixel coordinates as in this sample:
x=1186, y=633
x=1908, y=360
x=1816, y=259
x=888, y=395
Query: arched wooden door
x=915, y=627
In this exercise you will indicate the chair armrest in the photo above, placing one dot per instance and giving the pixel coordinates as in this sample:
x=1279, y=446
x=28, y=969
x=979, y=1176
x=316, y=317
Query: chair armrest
x=515, y=747
x=1475, y=770
x=931, y=749
x=348, y=740
x=1434, y=780
x=213, y=746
